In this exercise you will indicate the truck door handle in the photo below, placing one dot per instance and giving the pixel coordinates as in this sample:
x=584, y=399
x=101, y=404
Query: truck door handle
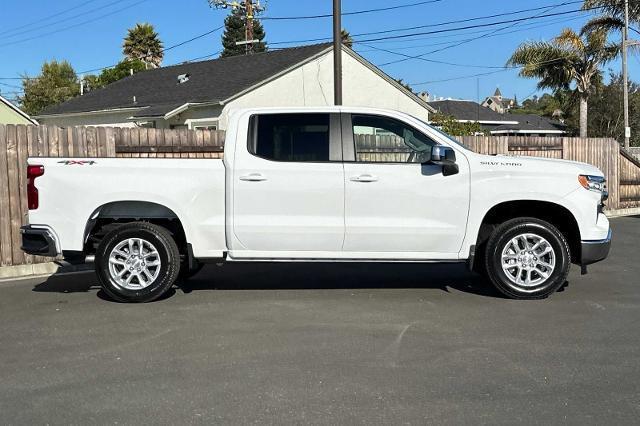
x=364, y=178
x=253, y=177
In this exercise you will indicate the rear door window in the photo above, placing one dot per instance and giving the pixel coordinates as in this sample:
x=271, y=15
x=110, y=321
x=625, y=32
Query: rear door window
x=291, y=137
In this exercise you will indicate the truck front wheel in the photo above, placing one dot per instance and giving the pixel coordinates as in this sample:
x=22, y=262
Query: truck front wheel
x=137, y=262
x=527, y=258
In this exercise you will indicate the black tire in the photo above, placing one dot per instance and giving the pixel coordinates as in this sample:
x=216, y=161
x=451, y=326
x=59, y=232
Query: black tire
x=503, y=235
x=186, y=272
x=168, y=253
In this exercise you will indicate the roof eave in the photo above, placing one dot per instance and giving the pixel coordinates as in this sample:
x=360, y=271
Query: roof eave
x=83, y=113
x=539, y=131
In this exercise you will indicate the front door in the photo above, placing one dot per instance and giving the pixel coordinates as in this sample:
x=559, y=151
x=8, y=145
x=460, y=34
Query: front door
x=288, y=184
x=395, y=202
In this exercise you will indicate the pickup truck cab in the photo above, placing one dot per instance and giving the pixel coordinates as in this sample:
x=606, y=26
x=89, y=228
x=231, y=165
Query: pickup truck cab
x=320, y=184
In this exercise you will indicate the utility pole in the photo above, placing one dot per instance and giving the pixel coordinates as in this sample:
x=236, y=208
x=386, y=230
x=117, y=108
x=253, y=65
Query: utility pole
x=250, y=8
x=625, y=75
x=337, y=52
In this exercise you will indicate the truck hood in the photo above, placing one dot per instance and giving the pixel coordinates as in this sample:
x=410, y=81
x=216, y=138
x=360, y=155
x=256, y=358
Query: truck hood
x=548, y=163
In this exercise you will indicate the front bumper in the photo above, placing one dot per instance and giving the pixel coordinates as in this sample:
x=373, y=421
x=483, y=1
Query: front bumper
x=39, y=241
x=595, y=251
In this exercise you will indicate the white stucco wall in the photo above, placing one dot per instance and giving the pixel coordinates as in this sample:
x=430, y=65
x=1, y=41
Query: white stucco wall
x=312, y=85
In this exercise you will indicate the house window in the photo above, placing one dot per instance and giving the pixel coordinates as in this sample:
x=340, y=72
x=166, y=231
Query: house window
x=147, y=124
x=178, y=126
x=203, y=124
x=205, y=127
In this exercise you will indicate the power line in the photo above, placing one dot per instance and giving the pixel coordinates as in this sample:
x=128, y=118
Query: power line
x=460, y=78
x=433, y=60
x=46, y=18
x=182, y=43
x=505, y=68
x=438, y=24
x=69, y=18
x=488, y=24
x=484, y=35
x=10, y=85
x=73, y=26
x=479, y=18
x=521, y=29
x=357, y=12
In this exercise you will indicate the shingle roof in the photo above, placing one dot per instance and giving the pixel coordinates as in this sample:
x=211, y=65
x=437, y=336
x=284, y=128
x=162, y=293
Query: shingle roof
x=209, y=81
x=531, y=122
x=467, y=110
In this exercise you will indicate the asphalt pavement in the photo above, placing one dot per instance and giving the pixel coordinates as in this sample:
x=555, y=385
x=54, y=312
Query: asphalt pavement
x=327, y=344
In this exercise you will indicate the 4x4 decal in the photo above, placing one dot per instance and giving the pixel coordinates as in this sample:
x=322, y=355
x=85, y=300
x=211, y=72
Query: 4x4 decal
x=77, y=162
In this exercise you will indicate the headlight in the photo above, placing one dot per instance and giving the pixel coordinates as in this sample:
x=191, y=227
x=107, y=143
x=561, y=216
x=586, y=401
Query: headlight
x=593, y=183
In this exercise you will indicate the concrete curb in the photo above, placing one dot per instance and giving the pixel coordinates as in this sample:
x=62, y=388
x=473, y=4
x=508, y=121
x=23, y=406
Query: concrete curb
x=623, y=212
x=10, y=273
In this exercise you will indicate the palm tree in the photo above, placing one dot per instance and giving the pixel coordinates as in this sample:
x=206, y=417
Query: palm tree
x=570, y=59
x=347, y=40
x=612, y=17
x=142, y=43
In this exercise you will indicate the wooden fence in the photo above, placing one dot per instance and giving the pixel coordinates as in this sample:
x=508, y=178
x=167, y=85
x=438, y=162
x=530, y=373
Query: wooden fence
x=19, y=142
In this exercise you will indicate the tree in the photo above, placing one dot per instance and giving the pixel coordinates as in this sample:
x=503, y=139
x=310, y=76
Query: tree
x=110, y=75
x=547, y=105
x=142, y=43
x=612, y=17
x=56, y=83
x=449, y=125
x=405, y=85
x=569, y=60
x=235, y=31
x=607, y=118
x=347, y=40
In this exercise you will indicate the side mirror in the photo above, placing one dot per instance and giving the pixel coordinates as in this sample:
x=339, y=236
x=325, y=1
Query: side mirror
x=446, y=157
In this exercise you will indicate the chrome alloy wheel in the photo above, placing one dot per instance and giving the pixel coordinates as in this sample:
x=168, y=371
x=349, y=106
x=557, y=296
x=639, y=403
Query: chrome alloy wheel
x=528, y=260
x=134, y=264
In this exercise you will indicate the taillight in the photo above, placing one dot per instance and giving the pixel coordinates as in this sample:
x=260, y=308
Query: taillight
x=32, y=192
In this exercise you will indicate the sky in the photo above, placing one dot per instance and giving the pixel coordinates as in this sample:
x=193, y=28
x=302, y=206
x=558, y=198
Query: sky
x=89, y=33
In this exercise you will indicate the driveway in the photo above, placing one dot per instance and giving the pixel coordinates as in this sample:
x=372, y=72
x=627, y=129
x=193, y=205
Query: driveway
x=328, y=344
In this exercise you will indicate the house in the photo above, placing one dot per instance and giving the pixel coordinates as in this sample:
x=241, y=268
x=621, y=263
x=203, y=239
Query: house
x=499, y=124
x=498, y=103
x=11, y=114
x=201, y=94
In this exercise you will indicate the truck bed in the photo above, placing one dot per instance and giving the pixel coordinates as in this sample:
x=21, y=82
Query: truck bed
x=72, y=191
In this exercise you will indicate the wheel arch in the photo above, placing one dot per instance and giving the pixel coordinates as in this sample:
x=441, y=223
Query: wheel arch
x=115, y=213
x=556, y=214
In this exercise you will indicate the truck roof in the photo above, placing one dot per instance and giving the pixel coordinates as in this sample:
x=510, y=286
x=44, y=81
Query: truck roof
x=322, y=109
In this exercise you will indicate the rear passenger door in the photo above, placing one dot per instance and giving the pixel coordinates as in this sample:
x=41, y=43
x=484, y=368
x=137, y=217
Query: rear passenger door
x=289, y=187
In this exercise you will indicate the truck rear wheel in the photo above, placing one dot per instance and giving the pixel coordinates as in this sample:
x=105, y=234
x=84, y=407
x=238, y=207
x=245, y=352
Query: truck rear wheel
x=527, y=258
x=137, y=262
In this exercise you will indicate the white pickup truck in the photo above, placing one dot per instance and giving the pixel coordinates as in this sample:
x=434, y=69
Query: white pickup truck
x=320, y=184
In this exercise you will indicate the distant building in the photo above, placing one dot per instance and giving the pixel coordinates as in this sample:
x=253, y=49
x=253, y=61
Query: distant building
x=499, y=124
x=498, y=103
x=11, y=114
